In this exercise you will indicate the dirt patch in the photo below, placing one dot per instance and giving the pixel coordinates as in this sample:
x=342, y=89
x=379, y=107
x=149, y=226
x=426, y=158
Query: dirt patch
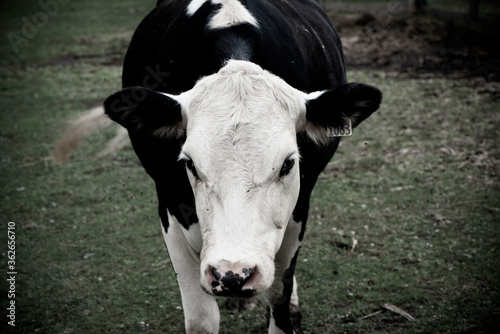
x=420, y=46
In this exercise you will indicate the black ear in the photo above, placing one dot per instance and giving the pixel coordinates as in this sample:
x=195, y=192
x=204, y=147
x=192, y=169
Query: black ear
x=143, y=110
x=353, y=100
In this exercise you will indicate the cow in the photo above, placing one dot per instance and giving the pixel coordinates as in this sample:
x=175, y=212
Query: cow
x=232, y=107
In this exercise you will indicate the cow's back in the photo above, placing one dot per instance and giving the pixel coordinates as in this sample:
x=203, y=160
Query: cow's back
x=295, y=40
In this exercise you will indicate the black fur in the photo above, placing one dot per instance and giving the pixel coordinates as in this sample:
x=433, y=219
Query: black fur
x=142, y=110
x=281, y=307
x=353, y=100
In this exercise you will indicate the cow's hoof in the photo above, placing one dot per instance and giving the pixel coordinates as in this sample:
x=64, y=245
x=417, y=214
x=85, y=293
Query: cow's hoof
x=296, y=319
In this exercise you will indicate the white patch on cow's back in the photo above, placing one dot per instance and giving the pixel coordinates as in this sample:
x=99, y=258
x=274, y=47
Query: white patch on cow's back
x=194, y=5
x=231, y=13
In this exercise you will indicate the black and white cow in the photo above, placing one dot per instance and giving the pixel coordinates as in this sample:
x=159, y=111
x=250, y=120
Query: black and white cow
x=229, y=105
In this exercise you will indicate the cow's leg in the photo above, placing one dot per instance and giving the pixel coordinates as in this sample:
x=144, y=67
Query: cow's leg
x=284, y=302
x=201, y=312
x=295, y=315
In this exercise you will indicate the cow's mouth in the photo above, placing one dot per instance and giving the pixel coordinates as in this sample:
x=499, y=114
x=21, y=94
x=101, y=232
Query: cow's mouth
x=248, y=293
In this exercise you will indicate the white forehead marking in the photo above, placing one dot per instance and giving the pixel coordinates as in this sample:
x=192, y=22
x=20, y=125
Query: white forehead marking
x=231, y=13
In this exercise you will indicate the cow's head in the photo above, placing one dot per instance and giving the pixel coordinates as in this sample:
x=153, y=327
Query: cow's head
x=242, y=159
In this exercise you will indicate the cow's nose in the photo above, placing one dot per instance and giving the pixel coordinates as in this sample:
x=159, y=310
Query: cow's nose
x=236, y=281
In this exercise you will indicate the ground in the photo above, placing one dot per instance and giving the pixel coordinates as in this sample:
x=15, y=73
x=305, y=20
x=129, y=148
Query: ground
x=406, y=214
x=420, y=46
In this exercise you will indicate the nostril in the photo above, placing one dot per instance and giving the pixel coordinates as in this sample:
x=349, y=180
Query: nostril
x=216, y=273
x=247, y=273
x=235, y=281
x=232, y=281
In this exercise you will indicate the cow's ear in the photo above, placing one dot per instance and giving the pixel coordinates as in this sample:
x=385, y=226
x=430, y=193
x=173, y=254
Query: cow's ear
x=142, y=110
x=333, y=109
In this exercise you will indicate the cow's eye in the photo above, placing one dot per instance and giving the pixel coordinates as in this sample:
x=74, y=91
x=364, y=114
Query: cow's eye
x=191, y=167
x=287, y=166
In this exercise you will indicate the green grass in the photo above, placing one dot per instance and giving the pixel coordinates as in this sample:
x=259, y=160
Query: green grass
x=412, y=190
x=416, y=186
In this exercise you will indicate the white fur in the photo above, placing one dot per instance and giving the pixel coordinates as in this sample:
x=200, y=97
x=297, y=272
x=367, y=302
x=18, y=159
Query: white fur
x=289, y=247
x=201, y=312
x=230, y=14
x=193, y=6
x=294, y=301
x=241, y=126
x=240, y=129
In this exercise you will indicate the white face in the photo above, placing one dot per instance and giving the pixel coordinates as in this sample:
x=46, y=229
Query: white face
x=243, y=163
x=242, y=159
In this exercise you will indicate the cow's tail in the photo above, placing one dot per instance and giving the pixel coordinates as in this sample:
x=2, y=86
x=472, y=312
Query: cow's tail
x=82, y=127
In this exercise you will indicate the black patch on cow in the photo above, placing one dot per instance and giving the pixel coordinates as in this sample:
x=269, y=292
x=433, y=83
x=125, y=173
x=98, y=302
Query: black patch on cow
x=159, y=157
x=281, y=307
x=313, y=160
x=296, y=319
x=176, y=201
x=236, y=42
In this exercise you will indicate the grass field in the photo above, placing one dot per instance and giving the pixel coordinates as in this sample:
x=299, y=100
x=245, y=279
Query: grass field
x=415, y=190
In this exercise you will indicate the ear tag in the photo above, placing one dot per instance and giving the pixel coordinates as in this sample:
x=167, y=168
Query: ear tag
x=343, y=131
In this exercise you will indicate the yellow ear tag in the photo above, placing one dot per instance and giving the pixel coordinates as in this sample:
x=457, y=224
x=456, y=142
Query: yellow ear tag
x=343, y=131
